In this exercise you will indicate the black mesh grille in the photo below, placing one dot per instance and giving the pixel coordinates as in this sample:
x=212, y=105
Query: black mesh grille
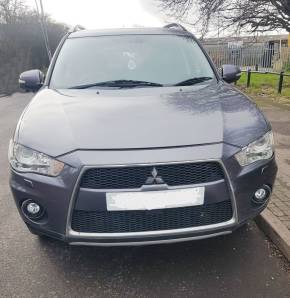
x=135, y=177
x=153, y=220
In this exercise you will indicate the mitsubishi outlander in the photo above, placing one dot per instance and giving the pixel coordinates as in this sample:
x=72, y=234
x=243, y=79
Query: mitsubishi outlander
x=135, y=137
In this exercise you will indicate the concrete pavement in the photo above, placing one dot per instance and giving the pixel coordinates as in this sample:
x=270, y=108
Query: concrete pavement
x=243, y=264
x=275, y=220
x=279, y=117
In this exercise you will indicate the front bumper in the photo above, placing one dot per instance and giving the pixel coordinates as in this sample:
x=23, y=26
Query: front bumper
x=58, y=195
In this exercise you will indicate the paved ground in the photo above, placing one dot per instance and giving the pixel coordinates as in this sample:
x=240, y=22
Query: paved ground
x=239, y=265
x=280, y=120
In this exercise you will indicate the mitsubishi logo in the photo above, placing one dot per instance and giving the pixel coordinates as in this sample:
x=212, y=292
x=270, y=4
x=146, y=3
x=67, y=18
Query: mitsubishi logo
x=155, y=179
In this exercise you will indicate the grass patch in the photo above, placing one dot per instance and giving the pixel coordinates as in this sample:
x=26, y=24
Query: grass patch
x=263, y=90
x=266, y=85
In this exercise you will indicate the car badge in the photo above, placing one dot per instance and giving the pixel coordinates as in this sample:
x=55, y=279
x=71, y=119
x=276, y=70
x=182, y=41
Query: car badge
x=154, y=179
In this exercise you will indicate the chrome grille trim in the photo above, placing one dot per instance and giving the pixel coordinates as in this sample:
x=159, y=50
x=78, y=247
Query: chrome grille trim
x=95, y=236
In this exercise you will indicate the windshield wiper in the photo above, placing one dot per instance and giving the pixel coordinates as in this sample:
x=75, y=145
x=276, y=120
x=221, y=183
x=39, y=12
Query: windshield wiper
x=193, y=81
x=118, y=83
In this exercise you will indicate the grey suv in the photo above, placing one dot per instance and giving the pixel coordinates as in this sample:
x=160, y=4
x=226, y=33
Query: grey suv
x=135, y=138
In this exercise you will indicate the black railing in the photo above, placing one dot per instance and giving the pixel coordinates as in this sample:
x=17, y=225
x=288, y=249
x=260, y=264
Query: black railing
x=280, y=74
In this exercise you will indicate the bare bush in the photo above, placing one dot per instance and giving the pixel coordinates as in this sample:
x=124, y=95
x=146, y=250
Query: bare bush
x=247, y=15
x=21, y=42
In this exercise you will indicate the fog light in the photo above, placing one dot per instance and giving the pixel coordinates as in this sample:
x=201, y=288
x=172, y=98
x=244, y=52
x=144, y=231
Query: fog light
x=32, y=210
x=262, y=194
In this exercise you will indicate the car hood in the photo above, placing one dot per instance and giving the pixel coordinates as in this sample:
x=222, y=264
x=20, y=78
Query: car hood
x=60, y=121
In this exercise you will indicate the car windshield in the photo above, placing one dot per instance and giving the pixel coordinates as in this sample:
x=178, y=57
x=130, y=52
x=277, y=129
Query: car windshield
x=130, y=61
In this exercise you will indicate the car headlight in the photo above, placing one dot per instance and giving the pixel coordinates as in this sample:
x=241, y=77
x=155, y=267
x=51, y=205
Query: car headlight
x=23, y=159
x=262, y=148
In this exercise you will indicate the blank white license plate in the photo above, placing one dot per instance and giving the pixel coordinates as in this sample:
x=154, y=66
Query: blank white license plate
x=149, y=200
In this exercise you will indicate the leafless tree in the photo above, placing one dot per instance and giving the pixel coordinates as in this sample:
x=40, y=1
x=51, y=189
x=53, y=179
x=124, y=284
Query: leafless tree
x=247, y=15
x=11, y=11
x=21, y=42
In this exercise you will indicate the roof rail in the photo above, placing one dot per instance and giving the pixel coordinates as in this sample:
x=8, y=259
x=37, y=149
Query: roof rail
x=76, y=28
x=175, y=26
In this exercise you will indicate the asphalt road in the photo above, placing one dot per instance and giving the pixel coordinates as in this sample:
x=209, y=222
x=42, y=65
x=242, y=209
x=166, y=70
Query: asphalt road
x=239, y=265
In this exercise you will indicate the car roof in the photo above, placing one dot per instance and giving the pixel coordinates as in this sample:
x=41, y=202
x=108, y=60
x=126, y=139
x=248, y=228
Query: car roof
x=129, y=31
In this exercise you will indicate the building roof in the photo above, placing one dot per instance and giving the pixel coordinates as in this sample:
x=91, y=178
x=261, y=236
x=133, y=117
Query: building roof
x=245, y=39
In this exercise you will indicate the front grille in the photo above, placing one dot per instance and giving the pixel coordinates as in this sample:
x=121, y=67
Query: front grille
x=151, y=220
x=136, y=176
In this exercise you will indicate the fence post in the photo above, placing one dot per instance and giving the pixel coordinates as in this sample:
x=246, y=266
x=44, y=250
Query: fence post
x=256, y=67
x=280, y=84
x=248, y=77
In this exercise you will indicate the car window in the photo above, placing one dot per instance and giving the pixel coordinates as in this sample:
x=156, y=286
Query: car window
x=162, y=59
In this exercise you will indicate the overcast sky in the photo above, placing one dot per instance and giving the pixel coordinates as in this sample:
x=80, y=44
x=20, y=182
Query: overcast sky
x=95, y=14
x=101, y=13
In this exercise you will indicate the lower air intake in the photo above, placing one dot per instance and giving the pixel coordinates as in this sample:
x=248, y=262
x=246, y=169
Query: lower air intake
x=153, y=220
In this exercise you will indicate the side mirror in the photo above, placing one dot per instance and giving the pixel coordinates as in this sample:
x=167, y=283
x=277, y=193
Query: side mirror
x=231, y=73
x=31, y=80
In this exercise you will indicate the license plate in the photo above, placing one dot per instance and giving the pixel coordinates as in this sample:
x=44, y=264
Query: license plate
x=149, y=200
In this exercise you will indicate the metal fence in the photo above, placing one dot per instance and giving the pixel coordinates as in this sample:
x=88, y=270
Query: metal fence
x=258, y=57
x=280, y=75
